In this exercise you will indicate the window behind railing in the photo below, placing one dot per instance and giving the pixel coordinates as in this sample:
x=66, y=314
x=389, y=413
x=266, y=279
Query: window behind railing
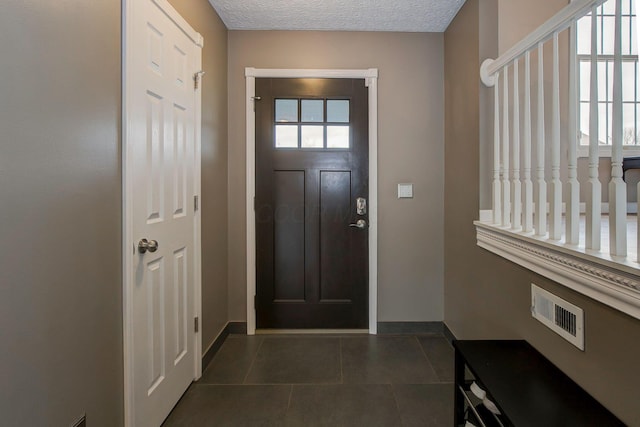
x=535, y=160
x=605, y=34
x=557, y=88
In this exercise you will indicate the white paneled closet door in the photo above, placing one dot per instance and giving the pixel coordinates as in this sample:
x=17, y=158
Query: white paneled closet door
x=161, y=126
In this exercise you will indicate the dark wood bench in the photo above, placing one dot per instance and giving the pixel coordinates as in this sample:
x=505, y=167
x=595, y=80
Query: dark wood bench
x=527, y=388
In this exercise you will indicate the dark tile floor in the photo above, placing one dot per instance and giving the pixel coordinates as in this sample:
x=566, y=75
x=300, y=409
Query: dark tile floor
x=323, y=380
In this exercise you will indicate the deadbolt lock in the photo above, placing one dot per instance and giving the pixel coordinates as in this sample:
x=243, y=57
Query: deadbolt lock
x=361, y=206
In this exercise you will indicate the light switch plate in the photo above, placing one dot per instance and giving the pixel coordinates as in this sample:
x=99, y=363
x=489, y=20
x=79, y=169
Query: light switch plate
x=405, y=191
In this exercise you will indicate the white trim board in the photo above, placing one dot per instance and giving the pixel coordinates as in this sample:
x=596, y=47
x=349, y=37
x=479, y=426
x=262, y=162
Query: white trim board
x=371, y=78
x=605, y=280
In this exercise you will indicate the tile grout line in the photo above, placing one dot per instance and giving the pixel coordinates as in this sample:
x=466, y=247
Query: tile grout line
x=253, y=361
x=421, y=348
x=428, y=359
x=395, y=399
x=283, y=384
x=289, y=402
x=425, y=353
x=341, y=371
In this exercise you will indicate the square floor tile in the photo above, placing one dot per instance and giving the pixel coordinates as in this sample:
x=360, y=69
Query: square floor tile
x=425, y=404
x=229, y=405
x=342, y=405
x=385, y=360
x=441, y=355
x=232, y=362
x=296, y=360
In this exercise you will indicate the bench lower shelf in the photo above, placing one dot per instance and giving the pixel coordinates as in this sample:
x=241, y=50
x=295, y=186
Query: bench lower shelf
x=527, y=389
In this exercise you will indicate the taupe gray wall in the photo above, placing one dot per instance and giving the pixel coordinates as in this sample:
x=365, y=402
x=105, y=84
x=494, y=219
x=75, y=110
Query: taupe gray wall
x=60, y=206
x=489, y=297
x=204, y=19
x=411, y=124
x=518, y=18
x=60, y=210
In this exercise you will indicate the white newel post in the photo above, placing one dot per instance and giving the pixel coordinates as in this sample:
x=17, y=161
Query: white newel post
x=541, y=188
x=497, y=189
x=617, y=187
x=594, y=188
x=506, y=186
x=516, y=186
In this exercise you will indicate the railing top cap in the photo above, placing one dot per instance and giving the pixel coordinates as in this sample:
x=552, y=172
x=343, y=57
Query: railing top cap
x=557, y=23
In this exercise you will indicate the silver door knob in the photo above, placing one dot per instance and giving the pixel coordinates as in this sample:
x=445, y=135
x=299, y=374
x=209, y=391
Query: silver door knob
x=144, y=245
x=361, y=224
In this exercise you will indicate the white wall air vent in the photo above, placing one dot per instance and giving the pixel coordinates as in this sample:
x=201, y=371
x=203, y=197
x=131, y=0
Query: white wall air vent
x=560, y=316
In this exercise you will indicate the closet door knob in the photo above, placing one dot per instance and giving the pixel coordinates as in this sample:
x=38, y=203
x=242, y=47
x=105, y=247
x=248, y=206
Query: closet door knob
x=145, y=245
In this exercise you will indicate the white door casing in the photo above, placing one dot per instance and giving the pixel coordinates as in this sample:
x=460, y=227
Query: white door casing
x=371, y=80
x=161, y=149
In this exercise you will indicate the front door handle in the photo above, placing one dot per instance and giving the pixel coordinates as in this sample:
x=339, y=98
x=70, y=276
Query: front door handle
x=361, y=224
x=144, y=245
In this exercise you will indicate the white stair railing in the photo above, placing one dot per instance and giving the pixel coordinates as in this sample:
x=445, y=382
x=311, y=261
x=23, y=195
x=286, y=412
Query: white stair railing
x=541, y=193
x=529, y=204
x=555, y=193
x=528, y=184
x=516, y=185
x=573, y=186
x=497, y=165
x=617, y=187
x=594, y=187
x=506, y=185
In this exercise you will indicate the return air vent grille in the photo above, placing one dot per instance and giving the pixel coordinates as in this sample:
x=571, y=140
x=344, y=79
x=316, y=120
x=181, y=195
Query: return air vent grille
x=560, y=316
x=566, y=320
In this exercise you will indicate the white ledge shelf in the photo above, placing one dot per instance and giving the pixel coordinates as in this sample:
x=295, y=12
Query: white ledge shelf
x=609, y=281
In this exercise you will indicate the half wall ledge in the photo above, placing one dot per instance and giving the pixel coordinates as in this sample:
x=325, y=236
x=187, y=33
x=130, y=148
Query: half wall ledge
x=616, y=284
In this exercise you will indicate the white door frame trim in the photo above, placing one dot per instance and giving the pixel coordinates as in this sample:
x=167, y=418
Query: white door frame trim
x=128, y=243
x=371, y=78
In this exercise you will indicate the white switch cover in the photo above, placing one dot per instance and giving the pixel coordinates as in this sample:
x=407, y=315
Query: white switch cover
x=405, y=191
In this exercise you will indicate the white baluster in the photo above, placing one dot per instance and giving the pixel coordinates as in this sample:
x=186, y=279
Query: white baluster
x=528, y=185
x=594, y=188
x=541, y=188
x=555, y=202
x=506, y=187
x=573, y=186
x=497, y=190
x=516, y=185
x=617, y=187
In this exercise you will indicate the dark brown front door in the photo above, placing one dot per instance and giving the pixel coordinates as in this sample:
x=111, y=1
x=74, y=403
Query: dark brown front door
x=311, y=167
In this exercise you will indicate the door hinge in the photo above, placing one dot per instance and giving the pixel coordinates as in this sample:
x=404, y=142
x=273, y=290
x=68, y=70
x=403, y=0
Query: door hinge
x=196, y=79
x=254, y=99
x=255, y=302
x=254, y=203
x=196, y=324
x=195, y=202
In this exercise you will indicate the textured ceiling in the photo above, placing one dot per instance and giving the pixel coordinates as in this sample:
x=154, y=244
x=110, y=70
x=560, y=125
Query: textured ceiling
x=338, y=15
